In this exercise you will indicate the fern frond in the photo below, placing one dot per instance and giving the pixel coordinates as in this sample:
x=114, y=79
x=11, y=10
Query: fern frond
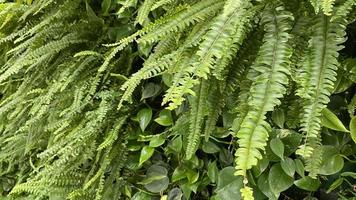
x=317, y=77
x=271, y=69
x=144, y=10
x=214, y=46
x=327, y=6
x=196, y=119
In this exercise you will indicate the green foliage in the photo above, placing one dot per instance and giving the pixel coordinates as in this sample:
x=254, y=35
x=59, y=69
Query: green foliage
x=177, y=99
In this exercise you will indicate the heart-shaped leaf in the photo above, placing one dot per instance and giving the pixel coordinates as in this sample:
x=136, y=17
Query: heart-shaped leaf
x=156, y=179
x=165, y=118
x=144, y=117
x=277, y=147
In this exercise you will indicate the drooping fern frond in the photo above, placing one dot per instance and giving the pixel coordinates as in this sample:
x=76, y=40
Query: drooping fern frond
x=317, y=77
x=270, y=73
x=196, y=119
x=227, y=29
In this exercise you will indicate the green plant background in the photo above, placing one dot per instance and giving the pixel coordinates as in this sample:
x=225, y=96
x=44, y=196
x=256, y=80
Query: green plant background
x=177, y=99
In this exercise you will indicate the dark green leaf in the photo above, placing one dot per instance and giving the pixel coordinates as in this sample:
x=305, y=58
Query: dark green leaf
x=278, y=180
x=176, y=144
x=141, y=196
x=265, y=188
x=144, y=117
x=213, y=172
x=277, y=147
x=335, y=184
x=330, y=120
x=307, y=183
x=299, y=167
x=157, y=140
x=156, y=179
x=228, y=186
x=175, y=194
x=278, y=117
x=210, y=147
x=288, y=166
x=332, y=162
x=165, y=118
x=146, y=154
x=150, y=90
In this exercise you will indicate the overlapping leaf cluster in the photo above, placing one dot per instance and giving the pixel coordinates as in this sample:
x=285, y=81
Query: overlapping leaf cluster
x=144, y=99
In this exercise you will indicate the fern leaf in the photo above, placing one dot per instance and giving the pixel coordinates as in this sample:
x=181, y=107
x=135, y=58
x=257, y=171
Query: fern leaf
x=317, y=77
x=196, y=119
x=270, y=77
x=144, y=10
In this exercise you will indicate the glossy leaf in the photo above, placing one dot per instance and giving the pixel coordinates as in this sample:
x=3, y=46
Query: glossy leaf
x=288, y=166
x=307, y=183
x=156, y=179
x=146, y=154
x=144, y=117
x=299, y=167
x=165, y=118
x=157, y=140
x=277, y=147
x=330, y=120
x=278, y=180
x=150, y=90
x=210, y=147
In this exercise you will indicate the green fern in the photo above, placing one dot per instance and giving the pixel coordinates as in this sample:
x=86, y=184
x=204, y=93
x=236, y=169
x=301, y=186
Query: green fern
x=270, y=77
x=317, y=77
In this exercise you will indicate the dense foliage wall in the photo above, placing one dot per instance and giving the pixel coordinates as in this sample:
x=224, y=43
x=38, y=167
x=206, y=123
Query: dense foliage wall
x=177, y=99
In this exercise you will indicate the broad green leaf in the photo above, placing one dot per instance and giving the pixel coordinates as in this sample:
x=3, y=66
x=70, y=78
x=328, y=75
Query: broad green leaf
x=307, y=183
x=265, y=188
x=157, y=140
x=332, y=162
x=330, y=120
x=144, y=117
x=351, y=174
x=278, y=117
x=175, y=194
x=299, y=167
x=228, y=186
x=192, y=176
x=288, y=166
x=150, y=90
x=277, y=147
x=158, y=180
x=278, y=180
x=178, y=174
x=146, y=154
x=225, y=157
x=291, y=141
x=213, y=171
x=141, y=196
x=210, y=147
x=353, y=128
x=176, y=144
x=335, y=184
x=165, y=118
